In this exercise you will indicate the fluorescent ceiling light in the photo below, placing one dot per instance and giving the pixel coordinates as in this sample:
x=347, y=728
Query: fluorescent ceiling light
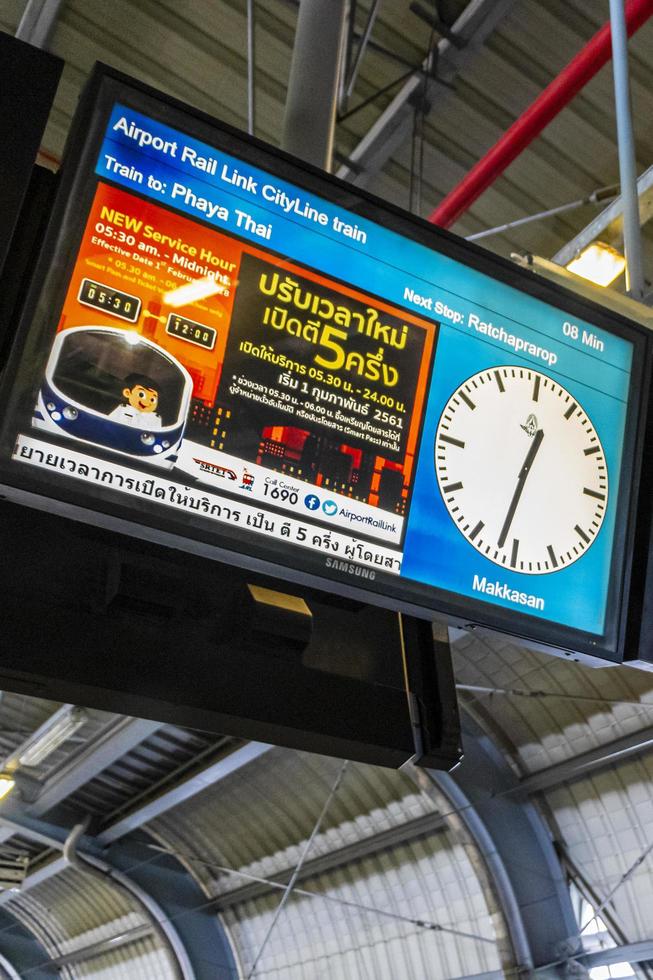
x=7, y=783
x=599, y=263
x=45, y=740
x=193, y=291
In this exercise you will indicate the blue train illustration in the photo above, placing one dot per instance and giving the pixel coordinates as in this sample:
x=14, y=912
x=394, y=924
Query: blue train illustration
x=115, y=389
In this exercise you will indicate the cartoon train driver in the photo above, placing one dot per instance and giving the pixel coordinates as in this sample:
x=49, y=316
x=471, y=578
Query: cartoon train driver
x=117, y=390
x=141, y=399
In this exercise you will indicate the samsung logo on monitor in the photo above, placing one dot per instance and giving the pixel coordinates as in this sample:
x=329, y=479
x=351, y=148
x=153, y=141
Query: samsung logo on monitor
x=350, y=568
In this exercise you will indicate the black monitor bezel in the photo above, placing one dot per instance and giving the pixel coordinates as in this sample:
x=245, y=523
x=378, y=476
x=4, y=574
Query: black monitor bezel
x=51, y=492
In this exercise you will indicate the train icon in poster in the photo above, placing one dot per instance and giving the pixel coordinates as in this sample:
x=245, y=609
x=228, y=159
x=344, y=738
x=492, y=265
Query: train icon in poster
x=117, y=390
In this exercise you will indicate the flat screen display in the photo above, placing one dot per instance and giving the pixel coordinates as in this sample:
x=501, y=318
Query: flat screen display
x=273, y=367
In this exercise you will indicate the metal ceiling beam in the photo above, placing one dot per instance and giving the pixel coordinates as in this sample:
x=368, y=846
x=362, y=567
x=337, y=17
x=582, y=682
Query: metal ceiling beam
x=588, y=762
x=633, y=953
x=16, y=819
x=641, y=952
x=112, y=744
x=490, y=975
x=608, y=225
x=11, y=828
x=392, y=128
x=350, y=81
x=509, y=834
x=548, y=104
x=126, y=734
x=185, y=790
x=423, y=826
x=50, y=836
x=104, y=946
x=35, y=878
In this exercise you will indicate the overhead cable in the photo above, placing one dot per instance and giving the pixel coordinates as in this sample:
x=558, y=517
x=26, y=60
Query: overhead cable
x=559, y=695
x=289, y=887
x=307, y=893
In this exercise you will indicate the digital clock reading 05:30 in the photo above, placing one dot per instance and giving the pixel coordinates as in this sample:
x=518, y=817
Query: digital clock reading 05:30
x=109, y=300
x=194, y=333
x=521, y=470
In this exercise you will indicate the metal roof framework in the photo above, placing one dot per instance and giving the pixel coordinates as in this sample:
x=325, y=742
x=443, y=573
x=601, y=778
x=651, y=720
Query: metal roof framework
x=494, y=795
x=504, y=848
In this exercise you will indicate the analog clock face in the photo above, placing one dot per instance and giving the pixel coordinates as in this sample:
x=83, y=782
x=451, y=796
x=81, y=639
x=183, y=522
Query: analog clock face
x=521, y=470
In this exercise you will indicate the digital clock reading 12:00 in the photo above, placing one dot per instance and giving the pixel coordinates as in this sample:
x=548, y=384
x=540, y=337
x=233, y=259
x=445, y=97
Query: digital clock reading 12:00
x=190, y=330
x=109, y=300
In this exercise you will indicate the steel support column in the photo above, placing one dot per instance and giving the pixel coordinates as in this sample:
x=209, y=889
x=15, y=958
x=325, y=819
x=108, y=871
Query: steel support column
x=182, y=906
x=22, y=951
x=251, y=68
x=511, y=836
x=312, y=99
x=7, y=969
x=170, y=898
x=626, y=143
x=38, y=22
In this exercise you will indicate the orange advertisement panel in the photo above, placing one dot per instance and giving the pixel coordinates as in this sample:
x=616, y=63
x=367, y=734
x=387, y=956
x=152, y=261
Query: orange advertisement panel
x=281, y=370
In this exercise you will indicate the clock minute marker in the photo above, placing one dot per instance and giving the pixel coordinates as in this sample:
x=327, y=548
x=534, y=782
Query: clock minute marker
x=513, y=554
x=453, y=442
x=476, y=530
x=467, y=400
x=570, y=411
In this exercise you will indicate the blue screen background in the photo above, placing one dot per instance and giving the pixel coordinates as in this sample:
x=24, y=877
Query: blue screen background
x=387, y=264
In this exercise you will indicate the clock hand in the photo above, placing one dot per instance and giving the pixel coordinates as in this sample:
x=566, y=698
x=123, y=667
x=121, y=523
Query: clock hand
x=521, y=480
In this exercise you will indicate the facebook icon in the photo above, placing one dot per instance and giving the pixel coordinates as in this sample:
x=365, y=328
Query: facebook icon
x=312, y=502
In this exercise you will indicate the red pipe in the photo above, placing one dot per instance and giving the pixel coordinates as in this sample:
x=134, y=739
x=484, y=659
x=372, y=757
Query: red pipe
x=539, y=114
